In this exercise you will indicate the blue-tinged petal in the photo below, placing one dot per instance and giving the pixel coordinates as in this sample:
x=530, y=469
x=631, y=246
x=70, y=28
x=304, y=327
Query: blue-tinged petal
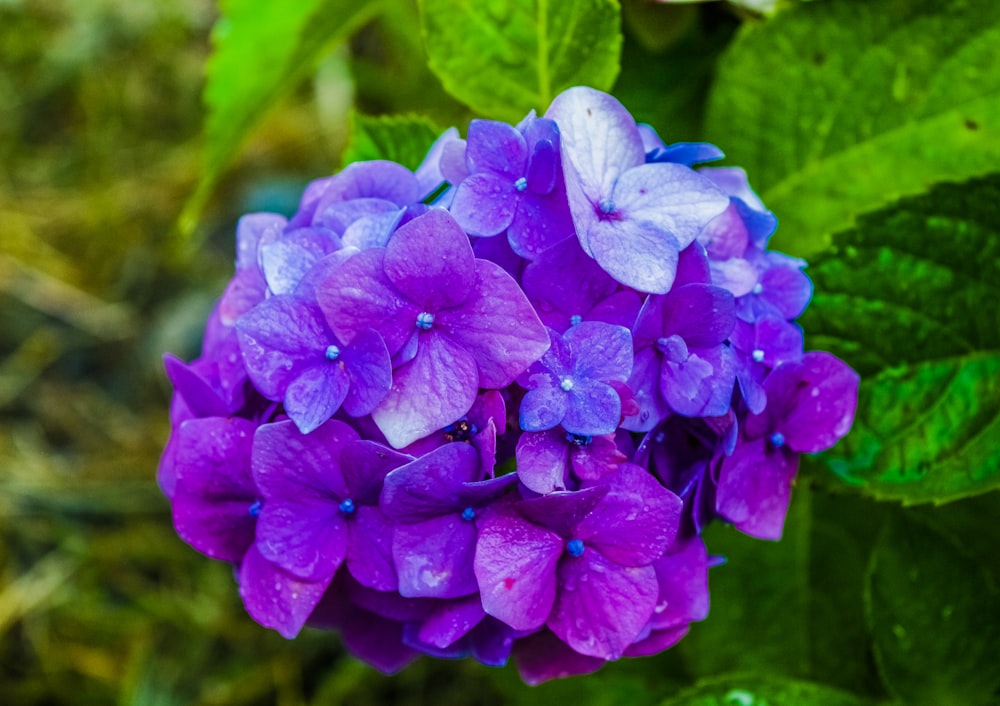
x=543, y=460
x=364, y=465
x=372, y=231
x=249, y=231
x=601, y=351
x=701, y=314
x=434, y=389
x=602, y=606
x=430, y=174
x=286, y=259
x=700, y=385
x=430, y=260
x=639, y=254
x=543, y=408
x=485, y=203
x=378, y=179
x=306, y=537
x=593, y=409
x=316, y=394
x=496, y=147
x=686, y=153
x=645, y=386
x=672, y=196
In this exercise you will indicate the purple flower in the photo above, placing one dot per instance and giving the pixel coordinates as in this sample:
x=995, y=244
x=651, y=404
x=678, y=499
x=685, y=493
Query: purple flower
x=545, y=459
x=579, y=562
x=320, y=505
x=571, y=384
x=215, y=498
x=810, y=406
x=681, y=361
x=292, y=356
x=633, y=218
x=453, y=323
x=436, y=501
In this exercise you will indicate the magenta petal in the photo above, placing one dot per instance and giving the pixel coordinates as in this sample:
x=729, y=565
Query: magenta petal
x=434, y=557
x=484, y=204
x=598, y=459
x=315, y=395
x=275, y=598
x=683, y=578
x=636, y=521
x=825, y=403
x=430, y=260
x=451, y=621
x=434, y=389
x=755, y=486
x=431, y=484
x=701, y=314
x=369, y=367
x=645, y=386
x=602, y=607
x=357, y=296
x=515, y=566
x=700, y=385
x=562, y=511
x=369, y=549
x=498, y=326
x=542, y=462
x=672, y=196
x=656, y=642
x=543, y=656
x=639, y=254
x=364, y=465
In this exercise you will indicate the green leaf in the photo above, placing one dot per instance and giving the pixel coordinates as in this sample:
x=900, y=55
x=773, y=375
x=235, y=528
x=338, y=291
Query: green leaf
x=792, y=607
x=909, y=299
x=262, y=49
x=934, y=617
x=752, y=690
x=837, y=108
x=503, y=58
x=400, y=138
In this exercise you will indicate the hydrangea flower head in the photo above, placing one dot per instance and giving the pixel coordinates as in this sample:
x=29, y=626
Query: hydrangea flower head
x=495, y=426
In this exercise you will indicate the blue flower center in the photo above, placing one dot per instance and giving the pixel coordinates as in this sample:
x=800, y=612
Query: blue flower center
x=757, y=355
x=425, y=320
x=575, y=319
x=777, y=439
x=579, y=439
x=332, y=353
x=468, y=514
x=521, y=184
x=757, y=288
x=566, y=384
x=607, y=206
x=575, y=547
x=254, y=509
x=347, y=506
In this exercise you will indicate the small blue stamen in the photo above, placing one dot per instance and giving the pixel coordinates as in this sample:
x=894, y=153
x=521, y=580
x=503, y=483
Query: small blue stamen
x=575, y=547
x=521, y=184
x=255, y=508
x=777, y=439
x=757, y=355
x=332, y=352
x=566, y=384
x=347, y=507
x=468, y=514
x=425, y=320
x=757, y=288
x=607, y=206
x=575, y=319
x=579, y=439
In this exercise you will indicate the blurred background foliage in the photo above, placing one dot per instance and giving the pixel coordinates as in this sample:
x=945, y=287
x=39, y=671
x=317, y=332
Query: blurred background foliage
x=101, y=146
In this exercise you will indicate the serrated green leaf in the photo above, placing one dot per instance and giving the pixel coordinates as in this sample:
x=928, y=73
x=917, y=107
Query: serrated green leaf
x=262, y=49
x=754, y=690
x=504, y=58
x=400, y=138
x=837, y=108
x=909, y=299
x=934, y=618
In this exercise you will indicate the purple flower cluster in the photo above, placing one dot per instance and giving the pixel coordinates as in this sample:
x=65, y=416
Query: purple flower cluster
x=487, y=407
